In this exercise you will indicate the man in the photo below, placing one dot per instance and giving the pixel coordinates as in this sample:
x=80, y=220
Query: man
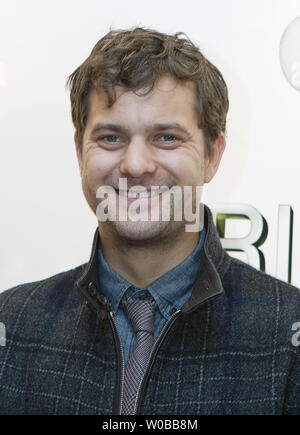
x=161, y=320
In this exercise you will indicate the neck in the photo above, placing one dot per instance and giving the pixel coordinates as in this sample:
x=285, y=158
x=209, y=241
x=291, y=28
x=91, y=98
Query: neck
x=142, y=262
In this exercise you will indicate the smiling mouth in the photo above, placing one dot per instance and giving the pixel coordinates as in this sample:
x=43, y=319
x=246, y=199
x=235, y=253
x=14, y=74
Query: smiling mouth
x=142, y=194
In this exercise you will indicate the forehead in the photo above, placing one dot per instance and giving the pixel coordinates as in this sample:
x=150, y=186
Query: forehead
x=169, y=100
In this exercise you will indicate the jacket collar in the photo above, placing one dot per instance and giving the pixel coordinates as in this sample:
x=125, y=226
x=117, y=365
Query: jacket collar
x=208, y=283
x=213, y=266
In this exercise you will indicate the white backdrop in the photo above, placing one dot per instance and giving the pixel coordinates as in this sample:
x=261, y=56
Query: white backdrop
x=46, y=225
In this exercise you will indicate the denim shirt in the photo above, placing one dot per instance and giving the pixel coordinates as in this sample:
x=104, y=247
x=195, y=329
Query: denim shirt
x=170, y=292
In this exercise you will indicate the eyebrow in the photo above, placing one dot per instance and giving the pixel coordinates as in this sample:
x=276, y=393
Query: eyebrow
x=121, y=129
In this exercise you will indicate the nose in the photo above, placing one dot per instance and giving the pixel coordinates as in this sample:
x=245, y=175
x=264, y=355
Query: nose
x=138, y=159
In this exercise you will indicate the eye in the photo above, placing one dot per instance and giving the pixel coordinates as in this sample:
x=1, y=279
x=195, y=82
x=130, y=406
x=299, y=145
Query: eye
x=169, y=137
x=110, y=140
x=168, y=140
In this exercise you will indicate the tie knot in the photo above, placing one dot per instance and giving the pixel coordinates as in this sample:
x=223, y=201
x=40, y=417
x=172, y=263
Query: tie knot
x=140, y=313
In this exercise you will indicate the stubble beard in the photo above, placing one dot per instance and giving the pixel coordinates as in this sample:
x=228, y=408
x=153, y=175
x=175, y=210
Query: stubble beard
x=145, y=231
x=142, y=231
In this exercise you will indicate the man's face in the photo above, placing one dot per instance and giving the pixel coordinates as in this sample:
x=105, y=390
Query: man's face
x=151, y=140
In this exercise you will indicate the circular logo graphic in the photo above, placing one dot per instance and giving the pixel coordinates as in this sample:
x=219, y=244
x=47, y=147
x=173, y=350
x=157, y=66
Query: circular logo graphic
x=290, y=53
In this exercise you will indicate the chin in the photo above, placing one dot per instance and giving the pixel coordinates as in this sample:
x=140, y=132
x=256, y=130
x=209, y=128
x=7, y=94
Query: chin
x=140, y=231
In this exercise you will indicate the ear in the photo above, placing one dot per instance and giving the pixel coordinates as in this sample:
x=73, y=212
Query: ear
x=213, y=160
x=78, y=152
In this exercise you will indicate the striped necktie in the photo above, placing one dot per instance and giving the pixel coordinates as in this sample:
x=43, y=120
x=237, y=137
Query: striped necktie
x=141, y=316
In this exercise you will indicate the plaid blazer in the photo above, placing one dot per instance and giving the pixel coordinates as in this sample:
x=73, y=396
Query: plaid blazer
x=229, y=350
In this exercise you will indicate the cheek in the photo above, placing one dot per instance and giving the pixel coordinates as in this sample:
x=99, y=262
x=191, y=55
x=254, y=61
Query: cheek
x=187, y=168
x=92, y=174
x=96, y=167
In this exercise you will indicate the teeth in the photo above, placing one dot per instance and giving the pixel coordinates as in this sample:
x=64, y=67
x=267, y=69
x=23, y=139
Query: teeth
x=145, y=194
x=132, y=195
x=155, y=192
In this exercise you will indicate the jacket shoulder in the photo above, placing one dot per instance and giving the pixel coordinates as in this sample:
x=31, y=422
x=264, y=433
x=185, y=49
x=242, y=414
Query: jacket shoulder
x=261, y=291
x=39, y=294
x=253, y=277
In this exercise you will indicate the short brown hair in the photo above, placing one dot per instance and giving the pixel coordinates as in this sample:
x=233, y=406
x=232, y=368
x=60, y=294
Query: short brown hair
x=136, y=59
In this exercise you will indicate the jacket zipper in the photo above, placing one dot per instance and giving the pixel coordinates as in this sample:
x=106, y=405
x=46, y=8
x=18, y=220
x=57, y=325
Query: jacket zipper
x=152, y=356
x=156, y=347
x=120, y=356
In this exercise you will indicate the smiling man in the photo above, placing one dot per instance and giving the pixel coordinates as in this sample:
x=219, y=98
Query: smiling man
x=149, y=140
x=161, y=320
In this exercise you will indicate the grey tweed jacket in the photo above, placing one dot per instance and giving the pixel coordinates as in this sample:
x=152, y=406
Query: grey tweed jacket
x=229, y=350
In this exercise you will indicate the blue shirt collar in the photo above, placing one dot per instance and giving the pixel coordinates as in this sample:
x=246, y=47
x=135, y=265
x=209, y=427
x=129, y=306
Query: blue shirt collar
x=170, y=291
